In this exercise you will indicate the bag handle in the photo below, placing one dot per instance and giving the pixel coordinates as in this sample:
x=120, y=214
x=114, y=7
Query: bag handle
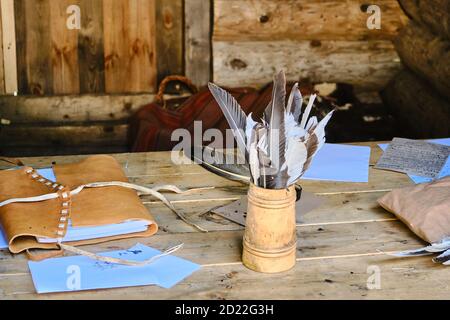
x=162, y=87
x=13, y=161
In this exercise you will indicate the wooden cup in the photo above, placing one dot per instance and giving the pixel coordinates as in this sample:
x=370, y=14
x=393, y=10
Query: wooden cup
x=270, y=238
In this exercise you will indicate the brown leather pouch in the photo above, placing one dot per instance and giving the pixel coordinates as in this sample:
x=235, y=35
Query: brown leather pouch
x=26, y=222
x=424, y=208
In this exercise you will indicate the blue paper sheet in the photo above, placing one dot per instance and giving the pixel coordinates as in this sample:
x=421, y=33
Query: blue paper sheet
x=3, y=241
x=338, y=162
x=47, y=173
x=82, y=273
x=445, y=169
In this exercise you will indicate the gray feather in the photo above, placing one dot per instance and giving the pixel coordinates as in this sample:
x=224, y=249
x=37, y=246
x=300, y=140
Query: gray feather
x=295, y=102
x=233, y=113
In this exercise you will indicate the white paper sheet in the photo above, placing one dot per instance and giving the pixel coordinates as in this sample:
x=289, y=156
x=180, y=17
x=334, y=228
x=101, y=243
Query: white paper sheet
x=338, y=162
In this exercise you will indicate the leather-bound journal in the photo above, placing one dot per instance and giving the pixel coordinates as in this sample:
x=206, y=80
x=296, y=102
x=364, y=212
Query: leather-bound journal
x=38, y=212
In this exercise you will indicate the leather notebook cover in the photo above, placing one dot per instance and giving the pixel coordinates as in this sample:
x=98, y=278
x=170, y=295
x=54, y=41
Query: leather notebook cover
x=24, y=223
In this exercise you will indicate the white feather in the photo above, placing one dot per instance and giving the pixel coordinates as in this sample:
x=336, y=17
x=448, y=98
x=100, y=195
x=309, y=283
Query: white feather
x=307, y=111
x=292, y=127
x=295, y=159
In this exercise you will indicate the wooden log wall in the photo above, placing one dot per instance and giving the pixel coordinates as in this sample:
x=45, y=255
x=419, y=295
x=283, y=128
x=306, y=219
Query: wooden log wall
x=420, y=96
x=318, y=40
x=76, y=88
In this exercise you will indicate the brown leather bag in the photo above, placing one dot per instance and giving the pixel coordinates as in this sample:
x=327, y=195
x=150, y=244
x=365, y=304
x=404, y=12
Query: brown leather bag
x=152, y=125
x=25, y=222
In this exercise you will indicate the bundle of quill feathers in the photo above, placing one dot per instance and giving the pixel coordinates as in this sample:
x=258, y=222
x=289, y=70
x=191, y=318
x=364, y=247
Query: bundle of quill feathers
x=280, y=148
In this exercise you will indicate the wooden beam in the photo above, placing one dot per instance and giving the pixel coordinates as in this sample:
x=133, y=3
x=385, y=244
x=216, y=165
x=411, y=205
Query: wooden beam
x=9, y=60
x=427, y=55
x=41, y=135
x=69, y=109
x=366, y=64
x=129, y=35
x=2, y=71
x=417, y=107
x=434, y=14
x=265, y=20
x=169, y=38
x=64, y=53
x=90, y=47
x=197, y=43
x=35, y=74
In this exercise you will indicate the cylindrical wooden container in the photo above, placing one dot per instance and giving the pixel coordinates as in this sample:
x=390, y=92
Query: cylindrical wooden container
x=270, y=238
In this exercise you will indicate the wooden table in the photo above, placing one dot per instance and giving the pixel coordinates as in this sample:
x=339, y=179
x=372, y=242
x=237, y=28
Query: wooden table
x=340, y=244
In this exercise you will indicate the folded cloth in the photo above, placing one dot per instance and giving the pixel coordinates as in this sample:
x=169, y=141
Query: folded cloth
x=48, y=215
x=424, y=208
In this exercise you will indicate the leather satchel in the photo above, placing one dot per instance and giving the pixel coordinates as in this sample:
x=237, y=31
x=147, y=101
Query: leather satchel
x=152, y=125
x=34, y=208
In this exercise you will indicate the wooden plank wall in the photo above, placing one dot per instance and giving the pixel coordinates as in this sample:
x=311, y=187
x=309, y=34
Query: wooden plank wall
x=77, y=87
x=318, y=40
x=113, y=52
x=124, y=48
x=128, y=46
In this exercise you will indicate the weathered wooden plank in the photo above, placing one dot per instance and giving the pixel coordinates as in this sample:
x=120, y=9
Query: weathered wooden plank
x=2, y=57
x=90, y=47
x=100, y=134
x=411, y=8
x=69, y=109
x=194, y=176
x=266, y=20
x=34, y=46
x=364, y=64
x=73, y=108
x=334, y=246
x=152, y=168
x=427, y=55
x=27, y=151
x=200, y=178
x=215, y=248
x=337, y=244
x=434, y=14
x=197, y=43
x=335, y=209
x=64, y=53
x=129, y=40
x=169, y=38
x=418, y=108
x=415, y=278
x=9, y=57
